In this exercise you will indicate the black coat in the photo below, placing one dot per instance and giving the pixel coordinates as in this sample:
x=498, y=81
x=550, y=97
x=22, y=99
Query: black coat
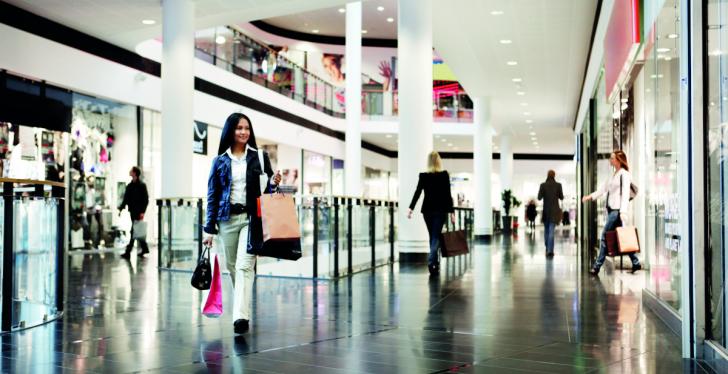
x=136, y=198
x=551, y=192
x=438, y=198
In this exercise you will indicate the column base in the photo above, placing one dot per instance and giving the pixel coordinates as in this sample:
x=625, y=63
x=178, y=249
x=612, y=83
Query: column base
x=413, y=257
x=483, y=239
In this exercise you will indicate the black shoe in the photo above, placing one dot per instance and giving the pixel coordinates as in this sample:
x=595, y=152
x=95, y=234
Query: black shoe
x=434, y=269
x=126, y=255
x=635, y=268
x=241, y=326
x=550, y=255
x=594, y=272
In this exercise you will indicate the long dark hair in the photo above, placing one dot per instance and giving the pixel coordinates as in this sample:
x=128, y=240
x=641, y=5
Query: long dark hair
x=227, y=139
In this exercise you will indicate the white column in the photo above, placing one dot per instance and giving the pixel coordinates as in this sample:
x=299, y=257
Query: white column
x=178, y=32
x=506, y=161
x=482, y=166
x=352, y=169
x=415, y=114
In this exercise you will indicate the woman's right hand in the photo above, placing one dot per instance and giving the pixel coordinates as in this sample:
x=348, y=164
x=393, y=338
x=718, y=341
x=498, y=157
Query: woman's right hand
x=208, y=240
x=409, y=214
x=585, y=198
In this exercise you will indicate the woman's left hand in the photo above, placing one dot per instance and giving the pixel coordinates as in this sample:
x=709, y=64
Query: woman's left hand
x=277, y=178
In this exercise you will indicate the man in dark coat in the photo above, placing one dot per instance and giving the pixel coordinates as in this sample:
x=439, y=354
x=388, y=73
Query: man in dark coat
x=551, y=192
x=137, y=199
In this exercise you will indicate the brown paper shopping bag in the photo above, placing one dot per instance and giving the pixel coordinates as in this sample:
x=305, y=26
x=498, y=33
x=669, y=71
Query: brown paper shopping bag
x=629, y=241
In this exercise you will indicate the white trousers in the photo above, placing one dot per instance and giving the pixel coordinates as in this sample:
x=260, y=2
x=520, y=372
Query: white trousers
x=240, y=264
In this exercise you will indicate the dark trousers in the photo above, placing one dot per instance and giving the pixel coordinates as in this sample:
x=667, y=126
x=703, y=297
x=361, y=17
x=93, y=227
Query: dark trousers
x=142, y=242
x=434, y=222
x=86, y=224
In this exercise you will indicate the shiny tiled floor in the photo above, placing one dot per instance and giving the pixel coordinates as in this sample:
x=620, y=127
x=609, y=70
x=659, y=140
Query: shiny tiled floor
x=505, y=308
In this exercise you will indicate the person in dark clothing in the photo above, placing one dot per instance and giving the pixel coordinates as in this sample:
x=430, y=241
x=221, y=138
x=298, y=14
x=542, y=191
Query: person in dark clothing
x=551, y=192
x=531, y=214
x=136, y=199
x=436, y=205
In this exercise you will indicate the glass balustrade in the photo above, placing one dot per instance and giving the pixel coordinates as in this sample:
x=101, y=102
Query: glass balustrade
x=32, y=235
x=231, y=50
x=339, y=236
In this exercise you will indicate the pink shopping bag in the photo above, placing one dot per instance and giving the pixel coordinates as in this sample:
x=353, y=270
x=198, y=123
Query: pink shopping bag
x=213, y=304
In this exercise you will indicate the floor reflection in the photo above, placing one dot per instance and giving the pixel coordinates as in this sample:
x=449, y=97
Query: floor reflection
x=506, y=307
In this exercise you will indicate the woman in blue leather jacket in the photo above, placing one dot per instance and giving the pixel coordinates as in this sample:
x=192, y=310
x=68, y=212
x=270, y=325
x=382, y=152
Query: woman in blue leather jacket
x=232, y=192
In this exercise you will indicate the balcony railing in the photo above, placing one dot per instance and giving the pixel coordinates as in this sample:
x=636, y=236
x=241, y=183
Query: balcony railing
x=230, y=49
x=339, y=236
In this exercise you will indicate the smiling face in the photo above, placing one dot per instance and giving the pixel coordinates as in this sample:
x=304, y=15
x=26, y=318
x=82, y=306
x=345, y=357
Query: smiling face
x=242, y=132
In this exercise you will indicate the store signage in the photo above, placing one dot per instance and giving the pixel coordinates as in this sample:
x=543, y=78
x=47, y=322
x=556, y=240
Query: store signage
x=199, y=145
x=621, y=43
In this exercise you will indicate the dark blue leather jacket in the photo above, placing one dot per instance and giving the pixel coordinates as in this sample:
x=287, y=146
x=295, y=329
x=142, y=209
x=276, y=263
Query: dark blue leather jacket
x=218, y=194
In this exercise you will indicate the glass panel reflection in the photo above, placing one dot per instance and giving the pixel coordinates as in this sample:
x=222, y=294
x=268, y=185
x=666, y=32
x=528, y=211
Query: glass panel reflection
x=35, y=252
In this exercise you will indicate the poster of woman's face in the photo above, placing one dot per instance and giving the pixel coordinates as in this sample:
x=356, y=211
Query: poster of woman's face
x=332, y=64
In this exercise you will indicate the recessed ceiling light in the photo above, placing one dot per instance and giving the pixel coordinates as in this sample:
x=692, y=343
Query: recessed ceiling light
x=512, y=63
x=342, y=10
x=716, y=52
x=517, y=80
x=524, y=104
x=315, y=31
x=449, y=144
x=532, y=133
x=529, y=121
x=663, y=50
x=380, y=8
x=505, y=41
x=390, y=19
x=668, y=58
x=497, y=12
x=148, y=21
x=533, y=138
x=672, y=36
x=526, y=113
x=444, y=140
x=388, y=135
x=364, y=31
x=520, y=93
x=220, y=39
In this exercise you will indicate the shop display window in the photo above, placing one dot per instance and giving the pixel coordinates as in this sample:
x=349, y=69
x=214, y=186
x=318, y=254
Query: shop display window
x=662, y=118
x=716, y=109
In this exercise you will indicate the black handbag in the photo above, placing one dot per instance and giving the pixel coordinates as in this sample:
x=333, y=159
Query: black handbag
x=202, y=276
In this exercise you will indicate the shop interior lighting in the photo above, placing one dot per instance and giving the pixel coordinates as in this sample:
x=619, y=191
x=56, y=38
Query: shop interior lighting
x=520, y=93
x=387, y=136
x=315, y=31
x=342, y=10
x=668, y=58
x=148, y=21
x=624, y=100
x=220, y=39
x=529, y=121
x=517, y=80
x=364, y=31
x=663, y=50
x=390, y=19
x=716, y=52
x=624, y=106
x=512, y=63
x=505, y=41
x=526, y=113
x=672, y=36
x=532, y=133
x=380, y=8
x=497, y=13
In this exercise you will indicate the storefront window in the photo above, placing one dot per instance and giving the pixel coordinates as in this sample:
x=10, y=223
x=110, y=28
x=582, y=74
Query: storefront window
x=316, y=173
x=662, y=118
x=103, y=149
x=717, y=122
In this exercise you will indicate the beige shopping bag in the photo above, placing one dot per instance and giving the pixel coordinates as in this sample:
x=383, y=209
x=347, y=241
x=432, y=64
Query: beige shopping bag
x=629, y=241
x=279, y=218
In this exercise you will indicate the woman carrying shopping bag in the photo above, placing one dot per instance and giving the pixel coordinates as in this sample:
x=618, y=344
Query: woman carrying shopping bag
x=436, y=206
x=618, y=190
x=232, y=192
